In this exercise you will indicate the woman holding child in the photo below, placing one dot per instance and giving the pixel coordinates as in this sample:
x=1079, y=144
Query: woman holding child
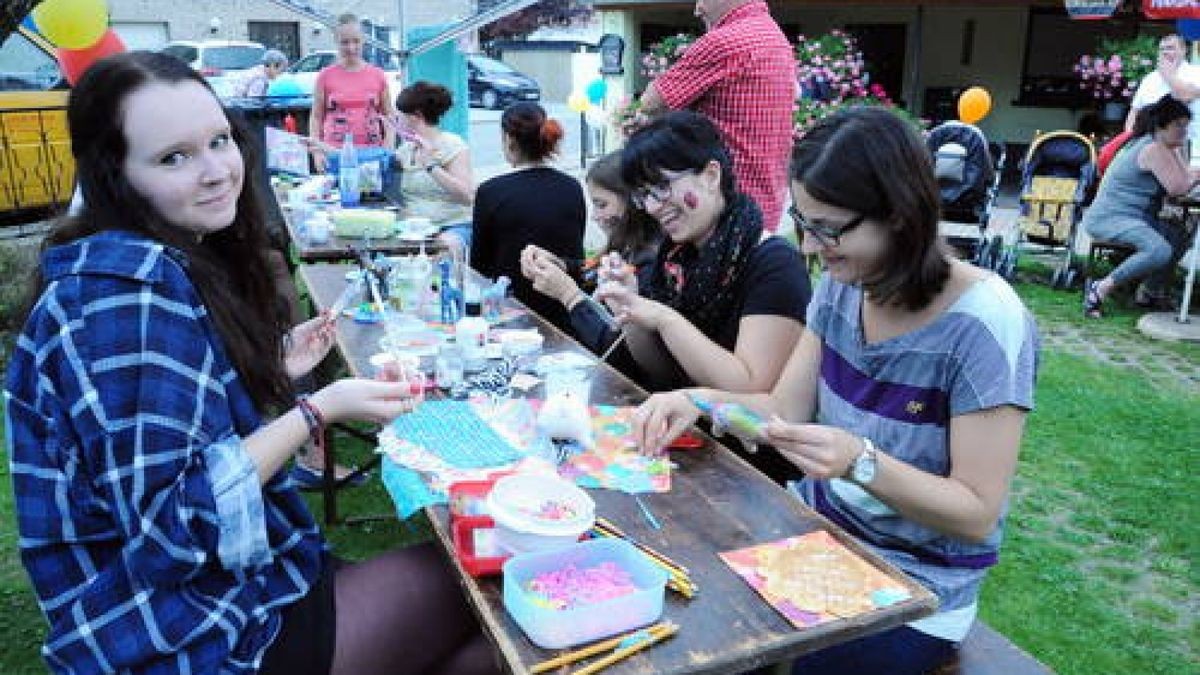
x=157, y=526
x=904, y=402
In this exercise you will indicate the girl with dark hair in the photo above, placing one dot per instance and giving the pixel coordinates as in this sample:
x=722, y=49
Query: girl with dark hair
x=723, y=306
x=904, y=404
x=632, y=234
x=1126, y=207
x=156, y=524
x=533, y=204
x=436, y=180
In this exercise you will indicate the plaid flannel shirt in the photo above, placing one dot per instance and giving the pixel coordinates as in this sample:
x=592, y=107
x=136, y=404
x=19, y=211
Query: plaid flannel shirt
x=149, y=542
x=741, y=74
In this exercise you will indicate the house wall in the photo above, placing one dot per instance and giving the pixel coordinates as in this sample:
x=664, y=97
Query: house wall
x=190, y=20
x=996, y=59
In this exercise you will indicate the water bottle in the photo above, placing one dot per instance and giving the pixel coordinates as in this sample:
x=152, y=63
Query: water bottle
x=348, y=173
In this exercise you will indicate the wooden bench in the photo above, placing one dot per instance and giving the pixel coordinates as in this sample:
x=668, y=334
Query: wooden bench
x=986, y=652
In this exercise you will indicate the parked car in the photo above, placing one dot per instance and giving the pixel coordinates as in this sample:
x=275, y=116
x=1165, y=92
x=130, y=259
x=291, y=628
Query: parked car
x=36, y=167
x=494, y=84
x=222, y=62
x=304, y=71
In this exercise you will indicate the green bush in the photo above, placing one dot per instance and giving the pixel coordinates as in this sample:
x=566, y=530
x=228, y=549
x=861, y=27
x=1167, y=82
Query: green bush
x=17, y=263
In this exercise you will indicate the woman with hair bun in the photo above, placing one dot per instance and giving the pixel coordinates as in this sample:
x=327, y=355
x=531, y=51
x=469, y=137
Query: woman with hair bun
x=533, y=204
x=436, y=181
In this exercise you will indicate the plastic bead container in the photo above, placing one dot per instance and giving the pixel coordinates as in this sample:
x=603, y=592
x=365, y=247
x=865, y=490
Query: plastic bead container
x=539, y=511
x=552, y=628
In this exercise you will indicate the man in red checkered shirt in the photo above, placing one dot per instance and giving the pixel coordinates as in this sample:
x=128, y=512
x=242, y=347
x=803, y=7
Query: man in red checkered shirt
x=741, y=74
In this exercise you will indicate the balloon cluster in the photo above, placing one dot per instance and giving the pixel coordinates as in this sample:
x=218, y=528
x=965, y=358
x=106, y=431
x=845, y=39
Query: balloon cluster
x=590, y=101
x=79, y=31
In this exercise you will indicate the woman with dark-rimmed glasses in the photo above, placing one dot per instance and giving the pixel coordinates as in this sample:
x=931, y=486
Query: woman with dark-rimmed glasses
x=724, y=306
x=904, y=403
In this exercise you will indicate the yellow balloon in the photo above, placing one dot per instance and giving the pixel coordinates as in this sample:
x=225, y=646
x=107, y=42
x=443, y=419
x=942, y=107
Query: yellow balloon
x=578, y=102
x=72, y=24
x=973, y=105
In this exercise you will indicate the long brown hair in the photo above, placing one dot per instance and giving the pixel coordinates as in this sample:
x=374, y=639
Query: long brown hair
x=637, y=230
x=229, y=268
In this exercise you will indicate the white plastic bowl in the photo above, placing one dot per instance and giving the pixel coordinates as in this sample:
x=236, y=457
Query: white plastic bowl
x=516, y=501
x=522, y=342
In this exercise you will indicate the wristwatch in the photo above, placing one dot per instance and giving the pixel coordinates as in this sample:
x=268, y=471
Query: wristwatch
x=862, y=469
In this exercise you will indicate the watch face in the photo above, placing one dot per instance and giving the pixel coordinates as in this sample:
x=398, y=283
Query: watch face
x=864, y=468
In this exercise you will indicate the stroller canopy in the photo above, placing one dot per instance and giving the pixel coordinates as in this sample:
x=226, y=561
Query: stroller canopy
x=956, y=145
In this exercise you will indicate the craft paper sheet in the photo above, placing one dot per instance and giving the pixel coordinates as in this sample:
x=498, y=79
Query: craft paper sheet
x=419, y=474
x=813, y=578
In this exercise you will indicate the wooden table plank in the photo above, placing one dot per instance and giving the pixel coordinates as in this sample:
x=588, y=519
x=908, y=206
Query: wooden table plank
x=717, y=502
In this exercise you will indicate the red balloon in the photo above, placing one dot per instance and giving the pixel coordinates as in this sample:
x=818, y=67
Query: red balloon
x=75, y=62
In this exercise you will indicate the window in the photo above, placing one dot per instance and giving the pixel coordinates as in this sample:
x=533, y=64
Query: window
x=184, y=53
x=25, y=67
x=1053, y=45
x=232, y=57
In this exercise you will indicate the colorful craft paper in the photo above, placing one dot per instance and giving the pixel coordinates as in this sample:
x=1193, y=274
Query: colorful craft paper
x=813, y=578
x=614, y=462
x=444, y=442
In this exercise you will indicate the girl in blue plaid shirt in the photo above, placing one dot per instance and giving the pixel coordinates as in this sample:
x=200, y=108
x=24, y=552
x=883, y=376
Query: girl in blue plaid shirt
x=156, y=523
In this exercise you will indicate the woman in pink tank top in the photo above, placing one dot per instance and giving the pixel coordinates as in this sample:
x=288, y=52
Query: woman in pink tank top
x=350, y=97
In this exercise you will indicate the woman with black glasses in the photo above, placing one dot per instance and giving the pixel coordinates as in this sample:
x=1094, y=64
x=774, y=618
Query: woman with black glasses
x=905, y=401
x=724, y=307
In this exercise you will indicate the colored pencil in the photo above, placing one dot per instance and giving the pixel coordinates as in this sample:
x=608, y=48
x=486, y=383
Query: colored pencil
x=607, y=526
x=613, y=347
x=592, y=649
x=655, y=638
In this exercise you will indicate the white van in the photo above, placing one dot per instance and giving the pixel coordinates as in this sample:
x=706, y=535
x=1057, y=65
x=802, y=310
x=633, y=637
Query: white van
x=222, y=62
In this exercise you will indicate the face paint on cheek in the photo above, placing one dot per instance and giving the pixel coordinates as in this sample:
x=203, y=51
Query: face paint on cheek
x=690, y=200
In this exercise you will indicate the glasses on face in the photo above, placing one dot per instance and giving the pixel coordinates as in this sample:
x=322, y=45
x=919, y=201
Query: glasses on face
x=829, y=237
x=659, y=193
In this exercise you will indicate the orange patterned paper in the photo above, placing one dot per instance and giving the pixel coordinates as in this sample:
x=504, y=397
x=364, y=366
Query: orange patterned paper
x=813, y=578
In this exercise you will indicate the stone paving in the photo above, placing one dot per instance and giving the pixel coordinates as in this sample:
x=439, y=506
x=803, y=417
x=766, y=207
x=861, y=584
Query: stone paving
x=1136, y=352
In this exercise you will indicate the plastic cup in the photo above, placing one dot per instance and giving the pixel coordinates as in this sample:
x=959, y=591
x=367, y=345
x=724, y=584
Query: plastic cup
x=449, y=366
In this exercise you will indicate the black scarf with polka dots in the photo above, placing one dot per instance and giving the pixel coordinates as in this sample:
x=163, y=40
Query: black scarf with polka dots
x=701, y=283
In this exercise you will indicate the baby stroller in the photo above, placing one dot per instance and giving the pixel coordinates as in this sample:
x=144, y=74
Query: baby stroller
x=968, y=170
x=1057, y=181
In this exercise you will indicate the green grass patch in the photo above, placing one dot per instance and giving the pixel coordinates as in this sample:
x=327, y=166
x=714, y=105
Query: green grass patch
x=1099, y=541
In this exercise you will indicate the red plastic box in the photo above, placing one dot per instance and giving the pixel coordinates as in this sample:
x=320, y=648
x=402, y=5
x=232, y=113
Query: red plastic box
x=467, y=516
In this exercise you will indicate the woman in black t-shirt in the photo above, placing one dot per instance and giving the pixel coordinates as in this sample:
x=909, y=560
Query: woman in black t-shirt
x=534, y=204
x=724, y=307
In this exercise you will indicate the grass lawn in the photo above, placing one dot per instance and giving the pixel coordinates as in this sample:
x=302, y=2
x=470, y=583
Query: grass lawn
x=1098, y=573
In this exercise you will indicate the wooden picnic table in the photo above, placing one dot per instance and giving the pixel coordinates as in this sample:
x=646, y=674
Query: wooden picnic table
x=717, y=503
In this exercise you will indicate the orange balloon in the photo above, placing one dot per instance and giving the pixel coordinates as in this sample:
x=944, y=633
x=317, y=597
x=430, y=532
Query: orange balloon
x=973, y=105
x=75, y=62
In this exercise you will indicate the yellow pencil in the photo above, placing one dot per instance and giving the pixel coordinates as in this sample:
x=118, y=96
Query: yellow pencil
x=602, y=646
x=655, y=638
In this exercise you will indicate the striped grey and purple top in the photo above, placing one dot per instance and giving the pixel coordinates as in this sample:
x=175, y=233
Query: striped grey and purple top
x=901, y=393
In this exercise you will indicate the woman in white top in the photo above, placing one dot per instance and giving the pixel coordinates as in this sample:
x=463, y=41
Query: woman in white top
x=436, y=180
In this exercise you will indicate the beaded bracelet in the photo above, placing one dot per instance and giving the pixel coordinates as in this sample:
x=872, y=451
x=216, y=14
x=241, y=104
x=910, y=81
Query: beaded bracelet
x=314, y=419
